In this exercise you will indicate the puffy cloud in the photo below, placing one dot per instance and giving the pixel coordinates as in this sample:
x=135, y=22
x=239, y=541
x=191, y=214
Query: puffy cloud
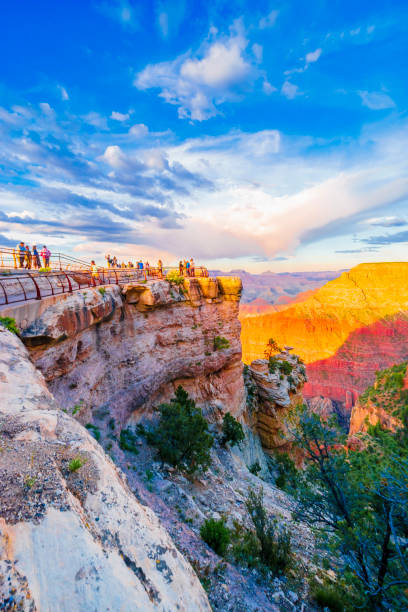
x=139, y=130
x=289, y=90
x=197, y=84
x=119, y=116
x=313, y=56
x=376, y=100
x=269, y=20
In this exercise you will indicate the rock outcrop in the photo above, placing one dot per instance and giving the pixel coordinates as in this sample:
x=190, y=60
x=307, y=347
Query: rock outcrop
x=351, y=327
x=72, y=534
x=278, y=393
x=124, y=351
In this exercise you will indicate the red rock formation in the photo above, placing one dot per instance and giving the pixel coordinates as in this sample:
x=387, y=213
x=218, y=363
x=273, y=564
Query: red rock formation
x=347, y=330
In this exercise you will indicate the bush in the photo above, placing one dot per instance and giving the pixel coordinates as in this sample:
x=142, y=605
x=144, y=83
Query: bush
x=102, y=291
x=232, y=430
x=272, y=364
x=10, y=324
x=287, y=472
x=271, y=348
x=220, y=343
x=94, y=431
x=286, y=367
x=216, y=534
x=327, y=596
x=128, y=440
x=75, y=464
x=255, y=468
x=174, y=277
x=44, y=270
x=245, y=547
x=275, y=544
x=181, y=436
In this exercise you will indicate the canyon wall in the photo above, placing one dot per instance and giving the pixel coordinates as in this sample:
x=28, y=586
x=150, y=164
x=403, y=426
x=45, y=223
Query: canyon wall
x=125, y=350
x=348, y=329
x=74, y=539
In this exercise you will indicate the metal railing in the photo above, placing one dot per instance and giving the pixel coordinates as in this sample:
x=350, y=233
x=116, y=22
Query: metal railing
x=69, y=275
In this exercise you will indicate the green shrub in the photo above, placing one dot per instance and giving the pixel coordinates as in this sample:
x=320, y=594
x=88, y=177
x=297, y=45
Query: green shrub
x=29, y=481
x=44, y=270
x=275, y=543
x=75, y=464
x=255, y=468
x=286, y=367
x=10, y=324
x=245, y=547
x=216, y=534
x=174, y=277
x=327, y=596
x=76, y=408
x=94, y=431
x=272, y=364
x=102, y=291
x=232, y=431
x=220, y=343
x=128, y=441
x=272, y=347
x=287, y=472
x=181, y=436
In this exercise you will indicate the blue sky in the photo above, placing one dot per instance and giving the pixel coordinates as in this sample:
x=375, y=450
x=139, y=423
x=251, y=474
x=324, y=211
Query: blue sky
x=263, y=135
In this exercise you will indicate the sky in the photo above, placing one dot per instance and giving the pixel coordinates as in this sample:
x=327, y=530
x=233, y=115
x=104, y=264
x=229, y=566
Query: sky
x=258, y=135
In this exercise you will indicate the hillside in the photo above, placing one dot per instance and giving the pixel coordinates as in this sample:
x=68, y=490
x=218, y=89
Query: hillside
x=348, y=329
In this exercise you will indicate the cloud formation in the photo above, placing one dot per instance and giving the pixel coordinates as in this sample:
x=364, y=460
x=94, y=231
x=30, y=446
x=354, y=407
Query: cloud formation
x=376, y=100
x=198, y=83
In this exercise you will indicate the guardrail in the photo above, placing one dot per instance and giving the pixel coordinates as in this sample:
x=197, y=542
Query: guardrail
x=32, y=285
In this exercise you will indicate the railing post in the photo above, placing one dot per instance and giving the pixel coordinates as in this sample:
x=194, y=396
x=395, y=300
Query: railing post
x=38, y=296
x=69, y=283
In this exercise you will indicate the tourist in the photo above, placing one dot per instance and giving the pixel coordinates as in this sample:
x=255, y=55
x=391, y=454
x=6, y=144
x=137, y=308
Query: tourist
x=36, y=257
x=160, y=268
x=115, y=261
x=188, y=268
x=45, y=256
x=21, y=251
x=27, y=257
x=94, y=272
x=130, y=265
x=192, y=267
x=181, y=268
x=108, y=260
x=147, y=268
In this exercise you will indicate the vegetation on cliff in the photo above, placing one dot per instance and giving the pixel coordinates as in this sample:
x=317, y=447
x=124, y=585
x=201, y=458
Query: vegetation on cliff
x=358, y=503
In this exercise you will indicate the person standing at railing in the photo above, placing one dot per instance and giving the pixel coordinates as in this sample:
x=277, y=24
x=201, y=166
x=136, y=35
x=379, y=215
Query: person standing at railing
x=147, y=268
x=27, y=257
x=181, y=268
x=36, y=257
x=188, y=268
x=192, y=267
x=21, y=253
x=160, y=268
x=108, y=260
x=45, y=255
x=94, y=272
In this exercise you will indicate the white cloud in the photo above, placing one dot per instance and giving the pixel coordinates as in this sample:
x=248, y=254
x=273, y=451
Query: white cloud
x=355, y=32
x=197, y=84
x=47, y=109
x=114, y=157
x=268, y=88
x=269, y=20
x=119, y=116
x=139, y=130
x=96, y=120
x=257, y=51
x=289, y=90
x=63, y=92
x=313, y=56
x=376, y=100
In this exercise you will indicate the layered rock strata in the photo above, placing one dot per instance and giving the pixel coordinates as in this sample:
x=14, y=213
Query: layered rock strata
x=72, y=534
x=277, y=396
x=125, y=350
x=348, y=329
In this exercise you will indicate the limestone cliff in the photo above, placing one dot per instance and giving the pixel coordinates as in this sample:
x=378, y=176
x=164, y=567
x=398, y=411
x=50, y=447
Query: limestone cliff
x=348, y=329
x=126, y=350
x=74, y=539
x=278, y=392
x=383, y=402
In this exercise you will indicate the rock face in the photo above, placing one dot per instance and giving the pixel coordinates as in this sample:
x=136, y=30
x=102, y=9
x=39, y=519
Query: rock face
x=383, y=402
x=277, y=395
x=74, y=538
x=124, y=351
x=351, y=327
